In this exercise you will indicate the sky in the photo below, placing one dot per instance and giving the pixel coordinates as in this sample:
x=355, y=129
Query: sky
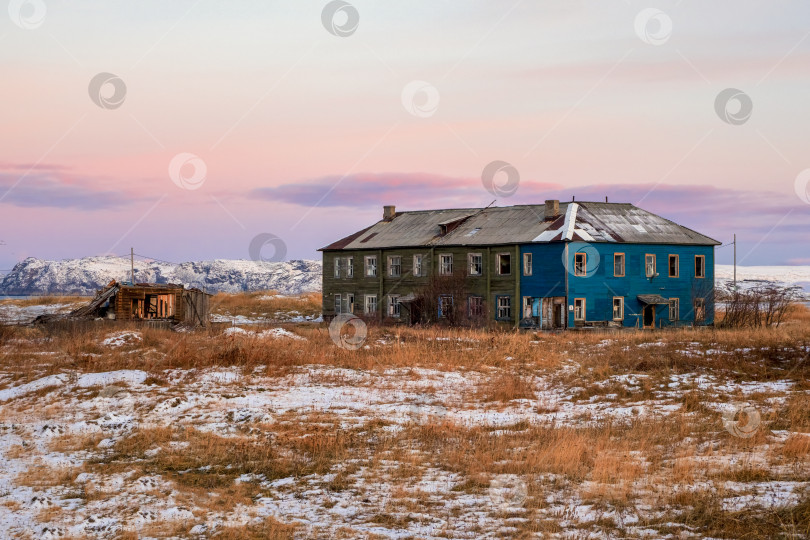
x=187, y=129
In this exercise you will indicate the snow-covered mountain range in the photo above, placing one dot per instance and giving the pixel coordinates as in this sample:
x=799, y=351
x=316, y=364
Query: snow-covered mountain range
x=85, y=276
x=748, y=276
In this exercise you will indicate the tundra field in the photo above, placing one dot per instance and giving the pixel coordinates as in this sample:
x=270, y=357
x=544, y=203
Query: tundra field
x=268, y=429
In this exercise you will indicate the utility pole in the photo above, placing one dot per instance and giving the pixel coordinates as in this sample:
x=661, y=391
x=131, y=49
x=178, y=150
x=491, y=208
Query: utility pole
x=735, y=261
x=132, y=263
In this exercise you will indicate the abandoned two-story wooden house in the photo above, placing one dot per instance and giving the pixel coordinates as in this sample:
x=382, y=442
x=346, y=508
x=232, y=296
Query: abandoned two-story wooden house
x=550, y=266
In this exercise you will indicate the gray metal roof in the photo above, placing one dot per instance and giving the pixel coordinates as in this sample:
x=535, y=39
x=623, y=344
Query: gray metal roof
x=524, y=224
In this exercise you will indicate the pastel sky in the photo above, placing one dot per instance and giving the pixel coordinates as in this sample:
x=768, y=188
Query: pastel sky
x=305, y=135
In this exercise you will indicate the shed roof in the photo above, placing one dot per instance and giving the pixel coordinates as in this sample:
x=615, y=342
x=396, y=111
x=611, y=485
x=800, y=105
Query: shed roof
x=522, y=224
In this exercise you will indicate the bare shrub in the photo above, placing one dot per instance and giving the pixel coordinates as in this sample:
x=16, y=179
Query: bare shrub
x=761, y=306
x=453, y=291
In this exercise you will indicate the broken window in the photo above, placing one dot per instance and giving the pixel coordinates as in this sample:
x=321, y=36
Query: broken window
x=394, y=266
x=700, y=266
x=649, y=265
x=445, y=305
x=446, y=264
x=618, y=265
x=476, y=306
x=371, y=304
x=580, y=264
x=393, y=306
x=579, y=309
x=417, y=265
x=673, y=309
x=371, y=266
x=476, y=264
x=504, y=264
x=700, y=309
x=618, y=308
x=504, y=307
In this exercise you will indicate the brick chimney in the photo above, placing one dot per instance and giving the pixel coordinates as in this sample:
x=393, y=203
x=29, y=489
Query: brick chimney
x=552, y=208
x=389, y=212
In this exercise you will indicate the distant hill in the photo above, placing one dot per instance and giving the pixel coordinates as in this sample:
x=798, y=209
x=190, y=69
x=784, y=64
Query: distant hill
x=749, y=276
x=85, y=276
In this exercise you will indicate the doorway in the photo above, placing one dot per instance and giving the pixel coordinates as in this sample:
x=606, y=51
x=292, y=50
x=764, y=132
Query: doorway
x=558, y=315
x=649, y=316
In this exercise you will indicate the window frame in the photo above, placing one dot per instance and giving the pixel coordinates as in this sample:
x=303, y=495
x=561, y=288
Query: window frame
x=470, y=264
x=584, y=271
x=442, y=313
x=366, y=299
x=391, y=266
x=677, y=265
x=442, y=268
x=528, y=269
x=349, y=267
x=498, y=307
x=584, y=309
x=394, y=307
x=623, y=258
x=699, y=306
x=499, y=257
x=337, y=267
x=480, y=300
x=366, y=260
x=338, y=307
x=524, y=305
x=418, y=267
x=654, y=265
x=621, y=308
x=702, y=258
x=676, y=302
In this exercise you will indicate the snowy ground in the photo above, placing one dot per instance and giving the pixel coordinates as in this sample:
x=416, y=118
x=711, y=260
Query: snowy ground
x=59, y=431
x=419, y=434
x=13, y=313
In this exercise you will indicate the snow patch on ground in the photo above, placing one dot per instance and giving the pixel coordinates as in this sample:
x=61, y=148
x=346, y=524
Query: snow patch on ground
x=128, y=376
x=11, y=313
x=120, y=339
x=27, y=388
x=275, y=333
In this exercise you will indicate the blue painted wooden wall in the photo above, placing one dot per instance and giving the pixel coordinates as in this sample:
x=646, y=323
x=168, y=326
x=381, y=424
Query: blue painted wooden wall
x=600, y=286
x=548, y=272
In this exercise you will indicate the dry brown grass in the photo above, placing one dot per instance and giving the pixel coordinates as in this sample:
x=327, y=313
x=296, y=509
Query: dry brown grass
x=505, y=387
x=75, y=443
x=610, y=464
x=265, y=303
x=797, y=447
x=42, y=476
x=268, y=529
x=771, y=353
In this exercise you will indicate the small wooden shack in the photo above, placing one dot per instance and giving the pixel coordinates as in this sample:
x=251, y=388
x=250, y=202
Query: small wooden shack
x=148, y=302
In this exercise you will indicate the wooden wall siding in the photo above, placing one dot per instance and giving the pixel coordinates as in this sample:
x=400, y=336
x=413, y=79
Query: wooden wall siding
x=549, y=279
x=489, y=285
x=548, y=273
x=599, y=289
x=123, y=301
x=196, y=307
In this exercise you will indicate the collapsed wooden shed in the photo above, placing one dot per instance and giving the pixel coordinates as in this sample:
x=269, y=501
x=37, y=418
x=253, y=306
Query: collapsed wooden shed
x=148, y=302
